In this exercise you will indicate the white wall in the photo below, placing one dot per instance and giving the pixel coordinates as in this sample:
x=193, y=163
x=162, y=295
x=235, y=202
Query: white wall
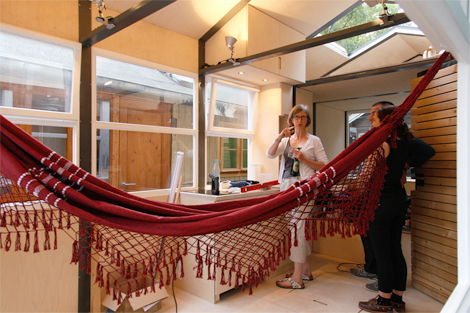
x=331, y=129
x=269, y=109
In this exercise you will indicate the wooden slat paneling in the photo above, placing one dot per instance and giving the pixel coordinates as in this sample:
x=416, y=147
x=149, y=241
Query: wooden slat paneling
x=422, y=134
x=432, y=278
x=446, y=233
x=436, y=99
x=437, y=271
x=434, y=202
x=444, y=72
x=441, y=181
x=438, y=189
x=433, y=221
x=435, y=124
x=435, y=172
x=435, y=254
x=452, y=243
x=446, y=105
x=434, y=197
x=429, y=291
x=434, y=116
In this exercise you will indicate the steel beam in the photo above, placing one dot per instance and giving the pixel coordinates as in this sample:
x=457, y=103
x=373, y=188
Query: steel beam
x=397, y=19
x=371, y=72
x=125, y=19
x=227, y=17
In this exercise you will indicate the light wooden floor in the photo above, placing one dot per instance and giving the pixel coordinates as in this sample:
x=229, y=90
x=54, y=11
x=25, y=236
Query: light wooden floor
x=331, y=291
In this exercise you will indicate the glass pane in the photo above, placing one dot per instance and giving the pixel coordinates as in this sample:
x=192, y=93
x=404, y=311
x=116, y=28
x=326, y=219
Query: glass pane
x=53, y=137
x=359, y=124
x=245, y=144
x=230, y=143
x=245, y=159
x=135, y=161
x=35, y=75
x=129, y=93
x=231, y=107
x=230, y=159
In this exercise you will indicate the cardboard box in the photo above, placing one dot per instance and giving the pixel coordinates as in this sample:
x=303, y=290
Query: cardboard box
x=149, y=303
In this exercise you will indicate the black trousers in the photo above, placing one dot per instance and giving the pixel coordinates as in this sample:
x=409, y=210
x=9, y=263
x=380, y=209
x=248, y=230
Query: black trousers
x=370, y=265
x=385, y=238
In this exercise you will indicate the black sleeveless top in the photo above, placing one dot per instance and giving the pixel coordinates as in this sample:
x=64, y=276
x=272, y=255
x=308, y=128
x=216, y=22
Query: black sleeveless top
x=396, y=161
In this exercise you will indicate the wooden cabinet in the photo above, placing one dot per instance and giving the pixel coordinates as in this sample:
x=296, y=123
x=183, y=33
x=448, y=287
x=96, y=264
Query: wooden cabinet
x=210, y=290
x=266, y=33
x=258, y=32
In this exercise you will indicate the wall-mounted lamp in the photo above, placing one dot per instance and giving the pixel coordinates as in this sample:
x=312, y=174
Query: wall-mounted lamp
x=230, y=42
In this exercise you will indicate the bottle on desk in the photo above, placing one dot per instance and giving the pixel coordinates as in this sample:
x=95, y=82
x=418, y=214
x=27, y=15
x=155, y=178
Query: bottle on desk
x=215, y=175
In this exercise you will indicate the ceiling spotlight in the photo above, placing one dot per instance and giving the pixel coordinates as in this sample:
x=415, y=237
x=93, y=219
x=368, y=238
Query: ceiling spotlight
x=241, y=73
x=265, y=79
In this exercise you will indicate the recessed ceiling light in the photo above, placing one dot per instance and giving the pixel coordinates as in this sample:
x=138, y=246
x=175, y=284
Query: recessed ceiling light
x=265, y=79
x=109, y=82
x=241, y=73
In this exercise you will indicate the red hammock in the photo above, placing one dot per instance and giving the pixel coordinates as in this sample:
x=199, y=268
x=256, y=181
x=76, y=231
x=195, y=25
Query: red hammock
x=139, y=239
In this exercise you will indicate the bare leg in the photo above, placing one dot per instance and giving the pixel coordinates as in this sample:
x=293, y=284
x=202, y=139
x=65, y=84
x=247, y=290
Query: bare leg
x=306, y=268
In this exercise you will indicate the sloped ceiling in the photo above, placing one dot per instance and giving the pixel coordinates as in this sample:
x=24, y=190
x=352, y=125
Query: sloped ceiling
x=193, y=18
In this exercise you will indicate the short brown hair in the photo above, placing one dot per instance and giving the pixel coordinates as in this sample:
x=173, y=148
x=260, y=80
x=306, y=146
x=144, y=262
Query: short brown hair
x=299, y=108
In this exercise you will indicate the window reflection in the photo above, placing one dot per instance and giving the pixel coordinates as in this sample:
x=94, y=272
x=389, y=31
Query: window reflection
x=35, y=75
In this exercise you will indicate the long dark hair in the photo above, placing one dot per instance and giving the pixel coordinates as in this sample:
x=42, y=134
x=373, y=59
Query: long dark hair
x=402, y=130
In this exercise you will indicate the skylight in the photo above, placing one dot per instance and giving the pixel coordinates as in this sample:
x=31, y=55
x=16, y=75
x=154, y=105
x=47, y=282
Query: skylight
x=360, y=15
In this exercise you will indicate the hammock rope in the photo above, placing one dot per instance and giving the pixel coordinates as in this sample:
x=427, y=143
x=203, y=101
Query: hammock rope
x=136, y=242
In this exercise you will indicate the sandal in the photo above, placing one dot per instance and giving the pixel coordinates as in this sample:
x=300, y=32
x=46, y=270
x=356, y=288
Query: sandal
x=304, y=277
x=293, y=284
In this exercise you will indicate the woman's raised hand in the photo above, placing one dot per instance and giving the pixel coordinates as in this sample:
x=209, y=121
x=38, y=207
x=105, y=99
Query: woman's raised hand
x=287, y=132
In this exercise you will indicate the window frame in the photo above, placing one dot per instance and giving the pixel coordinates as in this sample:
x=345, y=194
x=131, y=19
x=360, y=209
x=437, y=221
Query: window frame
x=223, y=132
x=50, y=118
x=95, y=124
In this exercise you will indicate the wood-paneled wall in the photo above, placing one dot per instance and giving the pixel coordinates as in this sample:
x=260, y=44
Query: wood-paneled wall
x=434, y=202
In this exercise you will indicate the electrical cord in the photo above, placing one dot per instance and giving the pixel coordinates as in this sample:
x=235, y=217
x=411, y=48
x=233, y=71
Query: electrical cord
x=174, y=296
x=359, y=265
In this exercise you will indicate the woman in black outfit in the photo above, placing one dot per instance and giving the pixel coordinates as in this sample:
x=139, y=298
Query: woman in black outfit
x=386, y=228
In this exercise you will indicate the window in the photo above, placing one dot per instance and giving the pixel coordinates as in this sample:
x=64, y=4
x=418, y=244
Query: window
x=231, y=109
x=359, y=124
x=144, y=117
x=39, y=87
x=36, y=75
x=234, y=154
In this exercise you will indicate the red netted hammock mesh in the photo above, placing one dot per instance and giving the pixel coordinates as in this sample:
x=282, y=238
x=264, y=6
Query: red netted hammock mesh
x=136, y=242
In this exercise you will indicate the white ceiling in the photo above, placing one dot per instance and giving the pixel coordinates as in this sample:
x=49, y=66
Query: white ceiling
x=194, y=18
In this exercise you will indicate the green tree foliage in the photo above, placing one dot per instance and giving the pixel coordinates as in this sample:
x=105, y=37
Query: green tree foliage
x=360, y=15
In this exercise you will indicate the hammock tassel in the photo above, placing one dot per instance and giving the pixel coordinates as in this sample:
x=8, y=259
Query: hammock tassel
x=181, y=266
x=88, y=269
x=60, y=219
x=108, y=290
x=47, y=241
x=55, y=238
x=18, y=242
x=26, y=244
x=8, y=242
x=36, y=242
